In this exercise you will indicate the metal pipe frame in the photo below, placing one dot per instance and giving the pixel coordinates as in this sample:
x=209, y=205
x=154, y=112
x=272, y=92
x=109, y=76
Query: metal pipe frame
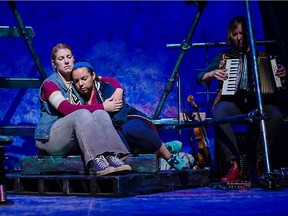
x=259, y=100
x=184, y=48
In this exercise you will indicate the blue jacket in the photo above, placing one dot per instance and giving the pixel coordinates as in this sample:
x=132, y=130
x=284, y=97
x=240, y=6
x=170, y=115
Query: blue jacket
x=48, y=114
x=105, y=90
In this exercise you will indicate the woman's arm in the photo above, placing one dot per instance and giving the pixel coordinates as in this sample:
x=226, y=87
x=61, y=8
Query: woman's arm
x=52, y=94
x=119, y=92
x=115, y=83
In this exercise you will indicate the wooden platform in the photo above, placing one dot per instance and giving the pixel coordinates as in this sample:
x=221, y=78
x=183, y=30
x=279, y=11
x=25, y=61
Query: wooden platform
x=110, y=186
x=37, y=165
x=56, y=175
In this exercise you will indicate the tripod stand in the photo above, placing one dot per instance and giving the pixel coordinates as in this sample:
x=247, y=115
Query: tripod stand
x=184, y=48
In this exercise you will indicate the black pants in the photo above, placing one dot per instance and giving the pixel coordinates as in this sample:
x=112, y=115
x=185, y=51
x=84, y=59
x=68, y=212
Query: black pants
x=225, y=136
x=139, y=136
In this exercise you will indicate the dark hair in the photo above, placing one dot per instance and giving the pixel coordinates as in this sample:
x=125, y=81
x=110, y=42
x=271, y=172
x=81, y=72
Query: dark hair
x=233, y=25
x=58, y=47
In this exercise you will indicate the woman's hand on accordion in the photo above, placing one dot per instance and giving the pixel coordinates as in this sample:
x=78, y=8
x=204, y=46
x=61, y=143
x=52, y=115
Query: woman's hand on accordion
x=281, y=72
x=220, y=74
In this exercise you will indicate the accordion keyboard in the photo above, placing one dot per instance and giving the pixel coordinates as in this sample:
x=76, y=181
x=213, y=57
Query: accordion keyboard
x=230, y=85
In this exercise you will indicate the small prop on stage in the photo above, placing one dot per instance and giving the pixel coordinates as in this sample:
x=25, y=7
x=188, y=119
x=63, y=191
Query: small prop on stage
x=3, y=198
x=203, y=156
x=274, y=180
x=232, y=185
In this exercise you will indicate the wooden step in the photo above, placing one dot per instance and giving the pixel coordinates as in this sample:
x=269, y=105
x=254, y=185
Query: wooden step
x=5, y=140
x=111, y=186
x=11, y=31
x=17, y=130
x=8, y=82
x=37, y=165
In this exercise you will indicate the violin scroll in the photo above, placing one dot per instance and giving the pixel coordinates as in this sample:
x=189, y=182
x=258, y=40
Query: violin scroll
x=190, y=99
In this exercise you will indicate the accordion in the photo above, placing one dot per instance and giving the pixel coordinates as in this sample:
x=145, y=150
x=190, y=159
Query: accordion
x=267, y=67
x=234, y=71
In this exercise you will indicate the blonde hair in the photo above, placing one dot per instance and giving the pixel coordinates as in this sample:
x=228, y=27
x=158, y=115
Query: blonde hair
x=57, y=47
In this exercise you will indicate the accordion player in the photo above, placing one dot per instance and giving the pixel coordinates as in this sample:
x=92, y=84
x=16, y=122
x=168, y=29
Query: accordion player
x=240, y=97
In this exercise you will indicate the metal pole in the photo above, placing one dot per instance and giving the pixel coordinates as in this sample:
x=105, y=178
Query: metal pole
x=27, y=39
x=184, y=49
x=216, y=44
x=258, y=88
x=245, y=118
x=179, y=101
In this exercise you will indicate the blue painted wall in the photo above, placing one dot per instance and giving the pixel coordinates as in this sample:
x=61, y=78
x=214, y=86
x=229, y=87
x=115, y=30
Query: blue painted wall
x=124, y=39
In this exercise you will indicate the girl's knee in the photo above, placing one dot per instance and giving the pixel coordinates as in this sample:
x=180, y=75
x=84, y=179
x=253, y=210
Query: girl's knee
x=82, y=113
x=101, y=114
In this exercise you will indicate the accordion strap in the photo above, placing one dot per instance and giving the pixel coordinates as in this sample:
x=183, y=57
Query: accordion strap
x=217, y=99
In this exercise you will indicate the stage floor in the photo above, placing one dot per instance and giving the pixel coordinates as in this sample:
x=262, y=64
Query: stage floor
x=194, y=201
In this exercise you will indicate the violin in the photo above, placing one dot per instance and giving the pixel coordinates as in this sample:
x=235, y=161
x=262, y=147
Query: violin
x=203, y=156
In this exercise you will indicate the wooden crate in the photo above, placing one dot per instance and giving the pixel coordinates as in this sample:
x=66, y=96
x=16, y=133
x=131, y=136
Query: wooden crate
x=36, y=165
x=108, y=186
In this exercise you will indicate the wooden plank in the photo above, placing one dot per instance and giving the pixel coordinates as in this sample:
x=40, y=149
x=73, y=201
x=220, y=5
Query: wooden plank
x=20, y=82
x=4, y=140
x=109, y=186
x=36, y=165
x=11, y=31
x=144, y=163
x=17, y=130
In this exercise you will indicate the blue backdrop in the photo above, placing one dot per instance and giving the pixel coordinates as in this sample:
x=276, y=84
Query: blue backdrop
x=123, y=39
